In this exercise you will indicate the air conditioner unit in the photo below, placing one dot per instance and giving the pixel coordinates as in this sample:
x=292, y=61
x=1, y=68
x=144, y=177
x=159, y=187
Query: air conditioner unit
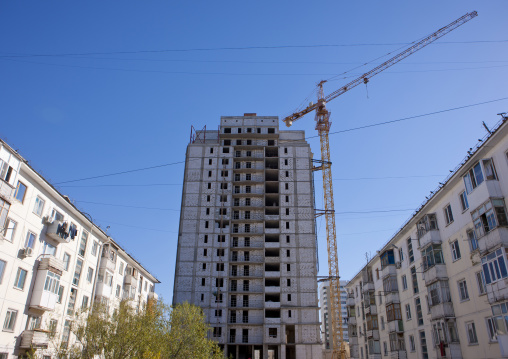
x=27, y=252
x=47, y=219
x=397, y=265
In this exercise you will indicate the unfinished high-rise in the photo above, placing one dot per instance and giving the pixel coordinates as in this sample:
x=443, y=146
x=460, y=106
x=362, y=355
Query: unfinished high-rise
x=247, y=251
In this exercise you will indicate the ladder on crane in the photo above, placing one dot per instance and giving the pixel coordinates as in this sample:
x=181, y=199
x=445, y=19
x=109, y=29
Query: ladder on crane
x=323, y=124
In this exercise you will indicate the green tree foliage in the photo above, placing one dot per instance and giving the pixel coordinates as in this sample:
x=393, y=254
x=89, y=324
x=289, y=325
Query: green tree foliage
x=158, y=332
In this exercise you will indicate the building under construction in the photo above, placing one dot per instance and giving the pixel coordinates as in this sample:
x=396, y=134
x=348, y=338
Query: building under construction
x=247, y=250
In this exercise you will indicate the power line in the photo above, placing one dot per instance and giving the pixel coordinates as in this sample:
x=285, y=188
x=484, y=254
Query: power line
x=243, y=48
x=306, y=138
x=128, y=206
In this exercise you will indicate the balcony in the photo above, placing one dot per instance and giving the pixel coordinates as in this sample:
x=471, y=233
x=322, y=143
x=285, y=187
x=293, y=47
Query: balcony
x=353, y=341
x=371, y=309
x=395, y=326
x=352, y=320
x=442, y=310
x=487, y=189
x=437, y=272
x=6, y=191
x=108, y=264
x=36, y=339
x=103, y=290
x=130, y=279
x=498, y=237
x=58, y=231
x=429, y=237
x=47, y=282
x=373, y=334
x=392, y=297
x=350, y=301
x=368, y=286
x=497, y=291
x=388, y=270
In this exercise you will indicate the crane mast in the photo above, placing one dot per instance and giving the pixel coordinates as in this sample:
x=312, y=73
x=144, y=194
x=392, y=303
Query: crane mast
x=323, y=124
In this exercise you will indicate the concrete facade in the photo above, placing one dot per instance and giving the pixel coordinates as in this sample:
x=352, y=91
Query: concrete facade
x=438, y=288
x=247, y=241
x=324, y=303
x=54, y=262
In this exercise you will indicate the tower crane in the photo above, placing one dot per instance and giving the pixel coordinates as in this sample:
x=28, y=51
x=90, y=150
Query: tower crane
x=323, y=124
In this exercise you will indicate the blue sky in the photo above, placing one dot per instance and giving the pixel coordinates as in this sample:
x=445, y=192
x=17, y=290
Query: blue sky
x=95, y=88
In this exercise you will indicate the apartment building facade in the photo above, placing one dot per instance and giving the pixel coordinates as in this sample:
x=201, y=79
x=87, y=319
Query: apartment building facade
x=324, y=303
x=54, y=262
x=247, y=242
x=439, y=287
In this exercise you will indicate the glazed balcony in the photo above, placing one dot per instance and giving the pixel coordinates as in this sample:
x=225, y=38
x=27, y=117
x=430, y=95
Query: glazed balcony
x=496, y=238
x=36, y=339
x=434, y=273
x=47, y=282
x=442, y=310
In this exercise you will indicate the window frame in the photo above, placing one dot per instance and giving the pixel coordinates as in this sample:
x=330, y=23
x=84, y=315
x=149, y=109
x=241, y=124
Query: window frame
x=448, y=214
x=16, y=193
x=455, y=250
x=17, y=278
x=471, y=325
x=9, y=323
x=39, y=206
x=463, y=291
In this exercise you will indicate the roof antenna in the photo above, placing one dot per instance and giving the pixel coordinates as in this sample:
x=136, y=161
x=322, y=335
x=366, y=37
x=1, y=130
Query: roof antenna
x=485, y=125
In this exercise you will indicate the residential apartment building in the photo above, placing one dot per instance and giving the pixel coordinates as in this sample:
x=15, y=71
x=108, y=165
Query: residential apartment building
x=54, y=262
x=439, y=288
x=247, y=240
x=324, y=302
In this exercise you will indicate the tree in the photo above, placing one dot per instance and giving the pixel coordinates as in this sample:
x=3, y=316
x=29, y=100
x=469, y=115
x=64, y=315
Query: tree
x=157, y=332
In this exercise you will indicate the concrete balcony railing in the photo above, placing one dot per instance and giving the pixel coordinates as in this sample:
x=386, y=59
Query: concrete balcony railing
x=401, y=354
x=486, y=190
x=430, y=237
x=497, y=291
x=442, y=310
x=373, y=334
x=36, y=339
x=388, y=270
x=108, y=264
x=371, y=309
x=350, y=301
x=6, y=191
x=368, y=286
x=392, y=297
x=352, y=320
x=103, y=290
x=496, y=238
x=272, y=304
x=58, y=231
x=437, y=272
x=130, y=280
x=395, y=326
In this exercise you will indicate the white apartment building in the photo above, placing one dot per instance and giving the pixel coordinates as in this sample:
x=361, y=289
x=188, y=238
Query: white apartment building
x=324, y=302
x=53, y=262
x=247, y=241
x=439, y=287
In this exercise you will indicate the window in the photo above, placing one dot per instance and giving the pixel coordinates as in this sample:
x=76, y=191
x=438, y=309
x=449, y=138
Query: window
x=382, y=322
x=432, y=255
x=217, y=331
x=287, y=225
x=248, y=164
x=393, y=312
x=10, y=319
x=209, y=173
x=401, y=254
x=219, y=267
x=208, y=198
x=463, y=201
x=10, y=229
x=288, y=282
x=408, y=312
x=30, y=240
x=248, y=177
x=287, y=239
x=95, y=246
x=494, y=266
x=439, y=293
x=480, y=280
x=202, y=282
x=205, y=239
x=82, y=244
x=224, y=173
x=412, y=346
x=473, y=242
x=289, y=297
x=210, y=161
x=39, y=206
x=205, y=252
x=77, y=272
x=385, y=348
x=286, y=162
x=52, y=283
x=65, y=334
x=491, y=329
x=473, y=178
x=247, y=202
x=225, y=149
x=287, y=173
x=20, y=192
x=490, y=171
x=404, y=282
x=118, y=290
x=471, y=333
x=455, y=250
x=72, y=301
x=60, y=294
x=410, y=251
x=48, y=249
x=272, y=332
x=66, y=261
x=3, y=264
x=89, y=275
x=463, y=293
x=414, y=280
x=419, y=313
x=84, y=303
x=448, y=214
x=489, y=216
x=387, y=258
x=19, y=282
x=4, y=210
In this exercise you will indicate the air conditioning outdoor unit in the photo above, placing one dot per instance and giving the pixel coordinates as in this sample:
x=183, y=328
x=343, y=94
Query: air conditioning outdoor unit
x=47, y=219
x=27, y=252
